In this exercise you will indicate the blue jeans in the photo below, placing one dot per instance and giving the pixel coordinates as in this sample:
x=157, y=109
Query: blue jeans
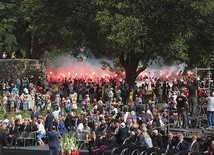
x=40, y=136
x=53, y=151
x=210, y=118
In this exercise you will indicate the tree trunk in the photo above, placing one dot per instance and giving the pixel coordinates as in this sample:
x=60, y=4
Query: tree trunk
x=131, y=66
x=131, y=74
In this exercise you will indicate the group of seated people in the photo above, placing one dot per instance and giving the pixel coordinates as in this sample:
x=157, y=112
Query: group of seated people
x=155, y=142
x=102, y=139
x=14, y=128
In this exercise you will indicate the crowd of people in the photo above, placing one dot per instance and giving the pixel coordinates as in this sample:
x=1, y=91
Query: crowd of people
x=110, y=114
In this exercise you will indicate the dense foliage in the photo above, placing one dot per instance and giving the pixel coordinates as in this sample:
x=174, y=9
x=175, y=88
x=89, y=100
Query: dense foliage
x=133, y=32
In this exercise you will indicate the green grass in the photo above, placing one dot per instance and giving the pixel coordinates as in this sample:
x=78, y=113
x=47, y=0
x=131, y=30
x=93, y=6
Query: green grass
x=28, y=113
x=10, y=115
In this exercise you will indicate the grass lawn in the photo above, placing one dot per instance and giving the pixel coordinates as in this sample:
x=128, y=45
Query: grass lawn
x=28, y=113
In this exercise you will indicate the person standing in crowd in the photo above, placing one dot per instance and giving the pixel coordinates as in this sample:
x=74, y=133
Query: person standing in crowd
x=53, y=141
x=182, y=108
x=24, y=84
x=17, y=102
x=193, y=101
x=5, y=103
x=210, y=111
x=49, y=121
x=56, y=112
x=25, y=103
x=34, y=114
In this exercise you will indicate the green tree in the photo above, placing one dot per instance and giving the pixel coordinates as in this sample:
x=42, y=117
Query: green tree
x=60, y=25
x=8, y=40
x=129, y=31
x=136, y=32
x=201, y=47
x=12, y=15
x=132, y=32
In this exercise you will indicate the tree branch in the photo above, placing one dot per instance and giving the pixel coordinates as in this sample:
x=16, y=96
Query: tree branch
x=144, y=65
x=140, y=69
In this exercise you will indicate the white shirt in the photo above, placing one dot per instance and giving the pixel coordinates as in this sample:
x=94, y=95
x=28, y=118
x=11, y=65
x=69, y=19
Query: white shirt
x=56, y=113
x=41, y=128
x=5, y=99
x=4, y=55
x=6, y=121
x=126, y=116
x=210, y=103
x=110, y=94
x=116, y=110
x=80, y=127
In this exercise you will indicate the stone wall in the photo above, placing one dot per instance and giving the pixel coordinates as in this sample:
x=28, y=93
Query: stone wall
x=14, y=68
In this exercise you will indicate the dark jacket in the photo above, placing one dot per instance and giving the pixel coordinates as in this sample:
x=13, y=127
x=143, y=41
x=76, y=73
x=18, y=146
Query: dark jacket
x=69, y=122
x=112, y=143
x=14, y=131
x=25, y=128
x=53, y=141
x=181, y=146
x=139, y=108
x=194, y=147
x=170, y=144
x=3, y=140
x=34, y=115
x=49, y=122
x=157, y=141
x=204, y=145
x=122, y=135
